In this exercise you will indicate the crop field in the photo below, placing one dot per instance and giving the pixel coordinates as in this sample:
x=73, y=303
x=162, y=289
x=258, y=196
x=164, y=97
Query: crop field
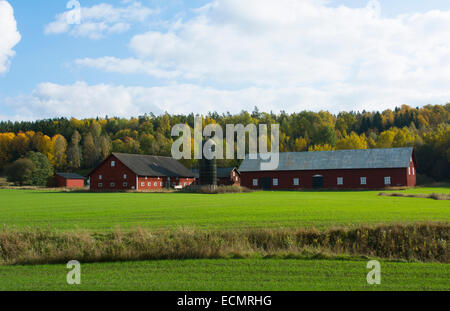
x=22, y=210
x=107, y=211
x=236, y=274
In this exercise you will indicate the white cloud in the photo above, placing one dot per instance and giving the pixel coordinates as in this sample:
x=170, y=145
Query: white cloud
x=99, y=20
x=81, y=100
x=9, y=35
x=300, y=44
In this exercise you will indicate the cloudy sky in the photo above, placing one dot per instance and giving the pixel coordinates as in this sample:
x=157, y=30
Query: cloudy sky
x=126, y=57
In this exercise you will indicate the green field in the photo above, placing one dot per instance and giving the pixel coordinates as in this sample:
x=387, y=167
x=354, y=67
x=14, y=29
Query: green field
x=106, y=211
x=100, y=212
x=253, y=274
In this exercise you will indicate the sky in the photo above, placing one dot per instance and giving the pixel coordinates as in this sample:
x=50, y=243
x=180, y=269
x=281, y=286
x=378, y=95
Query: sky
x=125, y=58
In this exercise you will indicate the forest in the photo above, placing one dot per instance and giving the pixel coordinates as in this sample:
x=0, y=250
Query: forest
x=79, y=145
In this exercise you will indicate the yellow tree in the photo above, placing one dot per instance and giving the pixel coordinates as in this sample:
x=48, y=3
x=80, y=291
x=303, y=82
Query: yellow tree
x=352, y=141
x=6, y=148
x=325, y=147
x=300, y=144
x=59, y=157
x=386, y=139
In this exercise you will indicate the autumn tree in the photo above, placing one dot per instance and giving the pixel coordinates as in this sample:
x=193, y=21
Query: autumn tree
x=59, y=151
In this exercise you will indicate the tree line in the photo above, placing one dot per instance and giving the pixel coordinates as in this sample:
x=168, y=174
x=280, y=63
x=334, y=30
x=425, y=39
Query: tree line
x=72, y=144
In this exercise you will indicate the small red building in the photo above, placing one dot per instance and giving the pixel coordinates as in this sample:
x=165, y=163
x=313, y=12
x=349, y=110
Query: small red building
x=228, y=176
x=69, y=180
x=121, y=171
x=339, y=169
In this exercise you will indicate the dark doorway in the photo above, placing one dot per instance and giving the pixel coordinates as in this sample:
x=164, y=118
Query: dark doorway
x=265, y=183
x=318, y=182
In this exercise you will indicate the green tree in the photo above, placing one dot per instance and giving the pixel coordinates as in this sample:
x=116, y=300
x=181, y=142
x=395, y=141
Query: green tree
x=43, y=170
x=90, y=151
x=20, y=171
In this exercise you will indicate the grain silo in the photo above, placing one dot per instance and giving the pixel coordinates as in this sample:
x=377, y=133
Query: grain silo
x=208, y=170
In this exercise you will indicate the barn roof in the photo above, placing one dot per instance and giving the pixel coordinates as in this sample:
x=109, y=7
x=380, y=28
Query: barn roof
x=337, y=159
x=70, y=176
x=222, y=172
x=149, y=165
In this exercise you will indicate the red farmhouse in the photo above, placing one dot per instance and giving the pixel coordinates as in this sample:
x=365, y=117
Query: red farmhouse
x=122, y=171
x=228, y=176
x=69, y=180
x=340, y=169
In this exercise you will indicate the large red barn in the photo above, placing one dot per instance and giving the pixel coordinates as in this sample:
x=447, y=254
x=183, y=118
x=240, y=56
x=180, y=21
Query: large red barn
x=340, y=169
x=122, y=171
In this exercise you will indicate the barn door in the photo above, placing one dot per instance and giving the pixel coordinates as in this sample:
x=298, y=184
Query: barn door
x=318, y=181
x=265, y=183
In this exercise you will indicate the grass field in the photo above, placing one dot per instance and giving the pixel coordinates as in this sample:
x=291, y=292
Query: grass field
x=254, y=274
x=102, y=212
x=106, y=211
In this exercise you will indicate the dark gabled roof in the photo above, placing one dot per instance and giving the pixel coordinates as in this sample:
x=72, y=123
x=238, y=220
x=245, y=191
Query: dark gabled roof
x=222, y=172
x=70, y=176
x=337, y=159
x=148, y=165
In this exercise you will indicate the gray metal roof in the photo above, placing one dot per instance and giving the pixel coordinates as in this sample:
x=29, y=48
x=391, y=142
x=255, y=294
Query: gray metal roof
x=70, y=176
x=337, y=159
x=148, y=165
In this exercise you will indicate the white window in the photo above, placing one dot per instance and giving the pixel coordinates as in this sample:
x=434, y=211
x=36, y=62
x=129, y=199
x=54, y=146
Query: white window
x=112, y=185
x=340, y=180
x=275, y=181
x=142, y=184
x=124, y=176
x=161, y=184
x=255, y=182
x=100, y=177
x=185, y=184
x=113, y=163
x=155, y=184
x=409, y=170
x=125, y=184
x=387, y=180
x=234, y=174
x=413, y=171
x=363, y=181
x=100, y=185
x=296, y=181
x=149, y=184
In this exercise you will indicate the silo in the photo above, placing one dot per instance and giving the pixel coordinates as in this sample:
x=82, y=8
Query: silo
x=208, y=170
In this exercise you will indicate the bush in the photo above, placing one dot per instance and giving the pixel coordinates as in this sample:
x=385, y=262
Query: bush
x=20, y=171
x=215, y=190
x=43, y=171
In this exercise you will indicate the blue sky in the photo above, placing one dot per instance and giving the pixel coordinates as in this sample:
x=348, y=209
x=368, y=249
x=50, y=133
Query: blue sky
x=131, y=57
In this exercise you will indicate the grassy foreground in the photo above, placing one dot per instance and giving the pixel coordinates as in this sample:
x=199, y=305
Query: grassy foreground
x=254, y=274
x=106, y=211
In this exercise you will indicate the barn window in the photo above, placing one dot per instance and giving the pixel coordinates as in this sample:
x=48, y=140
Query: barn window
x=100, y=185
x=255, y=182
x=340, y=180
x=113, y=163
x=409, y=170
x=142, y=184
x=363, y=181
x=413, y=171
x=100, y=177
x=125, y=184
x=124, y=176
x=387, y=180
x=185, y=184
x=161, y=184
x=296, y=181
x=275, y=181
x=155, y=184
x=112, y=185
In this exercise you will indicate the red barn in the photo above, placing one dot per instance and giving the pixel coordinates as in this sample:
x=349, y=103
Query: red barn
x=121, y=171
x=69, y=180
x=340, y=169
